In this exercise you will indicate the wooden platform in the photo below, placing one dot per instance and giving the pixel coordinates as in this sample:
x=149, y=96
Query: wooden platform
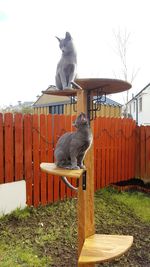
x=108, y=86
x=65, y=92
x=53, y=169
x=101, y=248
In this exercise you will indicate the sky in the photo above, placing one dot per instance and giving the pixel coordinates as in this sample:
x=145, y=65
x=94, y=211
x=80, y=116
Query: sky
x=29, y=51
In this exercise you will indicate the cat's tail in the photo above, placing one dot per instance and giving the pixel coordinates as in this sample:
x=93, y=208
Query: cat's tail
x=67, y=183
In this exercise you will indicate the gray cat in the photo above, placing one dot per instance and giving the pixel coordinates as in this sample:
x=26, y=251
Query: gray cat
x=71, y=147
x=66, y=68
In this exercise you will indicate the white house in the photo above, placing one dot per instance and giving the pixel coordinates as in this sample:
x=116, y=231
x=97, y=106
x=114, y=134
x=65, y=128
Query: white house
x=139, y=106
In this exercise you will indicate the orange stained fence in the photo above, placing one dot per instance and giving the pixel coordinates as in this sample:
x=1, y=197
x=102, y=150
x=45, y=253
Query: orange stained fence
x=121, y=152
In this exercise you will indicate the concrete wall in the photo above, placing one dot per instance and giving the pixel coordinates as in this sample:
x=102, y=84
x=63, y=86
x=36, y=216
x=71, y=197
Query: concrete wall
x=12, y=196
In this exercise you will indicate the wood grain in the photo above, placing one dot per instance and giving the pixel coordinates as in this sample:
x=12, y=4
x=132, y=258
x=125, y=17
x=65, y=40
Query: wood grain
x=101, y=248
x=53, y=169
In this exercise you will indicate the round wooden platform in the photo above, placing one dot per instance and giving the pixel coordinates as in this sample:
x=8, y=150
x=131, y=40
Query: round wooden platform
x=105, y=86
x=51, y=168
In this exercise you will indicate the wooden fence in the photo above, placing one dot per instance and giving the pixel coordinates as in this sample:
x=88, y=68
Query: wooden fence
x=121, y=151
x=143, y=153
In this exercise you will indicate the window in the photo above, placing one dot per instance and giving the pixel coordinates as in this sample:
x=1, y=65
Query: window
x=58, y=109
x=140, y=104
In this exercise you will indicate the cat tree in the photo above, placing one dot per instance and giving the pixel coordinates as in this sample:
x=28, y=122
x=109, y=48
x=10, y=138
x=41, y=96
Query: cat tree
x=92, y=248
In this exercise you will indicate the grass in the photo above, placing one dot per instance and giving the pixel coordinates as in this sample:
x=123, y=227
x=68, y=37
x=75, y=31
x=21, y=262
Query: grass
x=47, y=236
x=136, y=201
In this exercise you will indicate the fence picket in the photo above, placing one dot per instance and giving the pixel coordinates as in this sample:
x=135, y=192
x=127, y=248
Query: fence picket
x=103, y=152
x=36, y=161
x=147, y=153
x=9, y=144
x=108, y=122
x=50, y=157
x=18, y=125
x=43, y=137
x=28, y=157
x=143, y=151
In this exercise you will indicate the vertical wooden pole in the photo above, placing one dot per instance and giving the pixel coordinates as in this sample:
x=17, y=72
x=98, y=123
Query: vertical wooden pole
x=86, y=225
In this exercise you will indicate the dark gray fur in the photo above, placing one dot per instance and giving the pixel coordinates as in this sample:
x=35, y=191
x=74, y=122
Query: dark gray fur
x=71, y=147
x=66, y=68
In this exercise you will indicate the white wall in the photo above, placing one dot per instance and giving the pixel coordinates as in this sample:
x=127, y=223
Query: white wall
x=12, y=196
x=144, y=115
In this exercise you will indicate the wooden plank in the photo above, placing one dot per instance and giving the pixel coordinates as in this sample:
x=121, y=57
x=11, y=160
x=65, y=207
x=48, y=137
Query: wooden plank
x=119, y=138
x=1, y=150
x=132, y=154
x=18, y=122
x=28, y=157
x=137, y=152
x=123, y=153
x=9, y=151
x=101, y=248
x=99, y=154
x=56, y=122
x=143, y=151
x=115, y=179
x=111, y=133
x=36, y=161
x=127, y=149
x=103, y=144
x=108, y=123
x=43, y=141
x=147, y=178
x=53, y=169
x=50, y=157
x=95, y=153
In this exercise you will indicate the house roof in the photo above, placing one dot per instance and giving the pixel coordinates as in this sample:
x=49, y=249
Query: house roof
x=139, y=93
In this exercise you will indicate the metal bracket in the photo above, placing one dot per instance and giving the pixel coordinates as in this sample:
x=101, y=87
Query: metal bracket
x=96, y=101
x=73, y=101
x=84, y=181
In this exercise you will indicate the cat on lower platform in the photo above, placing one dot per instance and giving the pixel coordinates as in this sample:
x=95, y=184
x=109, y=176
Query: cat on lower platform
x=71, y=147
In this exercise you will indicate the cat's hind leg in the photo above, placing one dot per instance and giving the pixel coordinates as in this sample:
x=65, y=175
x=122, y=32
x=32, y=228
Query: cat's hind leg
x=71, y=73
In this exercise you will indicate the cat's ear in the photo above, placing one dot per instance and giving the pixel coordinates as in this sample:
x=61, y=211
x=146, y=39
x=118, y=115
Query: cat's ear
x=68, y=36
x=58, y=38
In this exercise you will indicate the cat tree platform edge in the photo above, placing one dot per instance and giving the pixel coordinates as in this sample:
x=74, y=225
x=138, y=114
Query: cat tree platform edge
x=100, y=248
x=51, y=168
x=104, y=85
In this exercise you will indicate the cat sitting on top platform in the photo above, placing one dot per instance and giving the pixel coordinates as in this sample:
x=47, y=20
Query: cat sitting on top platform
x=66, y=68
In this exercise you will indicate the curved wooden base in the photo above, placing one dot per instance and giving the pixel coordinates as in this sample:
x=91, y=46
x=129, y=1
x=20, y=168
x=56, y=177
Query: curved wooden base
x=101, y=248
x=53, y=169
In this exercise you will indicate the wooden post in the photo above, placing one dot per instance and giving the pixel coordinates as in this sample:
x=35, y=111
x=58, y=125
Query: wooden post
x=86, y=224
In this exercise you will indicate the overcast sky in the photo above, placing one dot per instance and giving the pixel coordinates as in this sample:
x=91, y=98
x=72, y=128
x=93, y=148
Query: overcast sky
x=29, y=51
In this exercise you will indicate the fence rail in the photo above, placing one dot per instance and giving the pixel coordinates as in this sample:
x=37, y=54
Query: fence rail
x=121, y=152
